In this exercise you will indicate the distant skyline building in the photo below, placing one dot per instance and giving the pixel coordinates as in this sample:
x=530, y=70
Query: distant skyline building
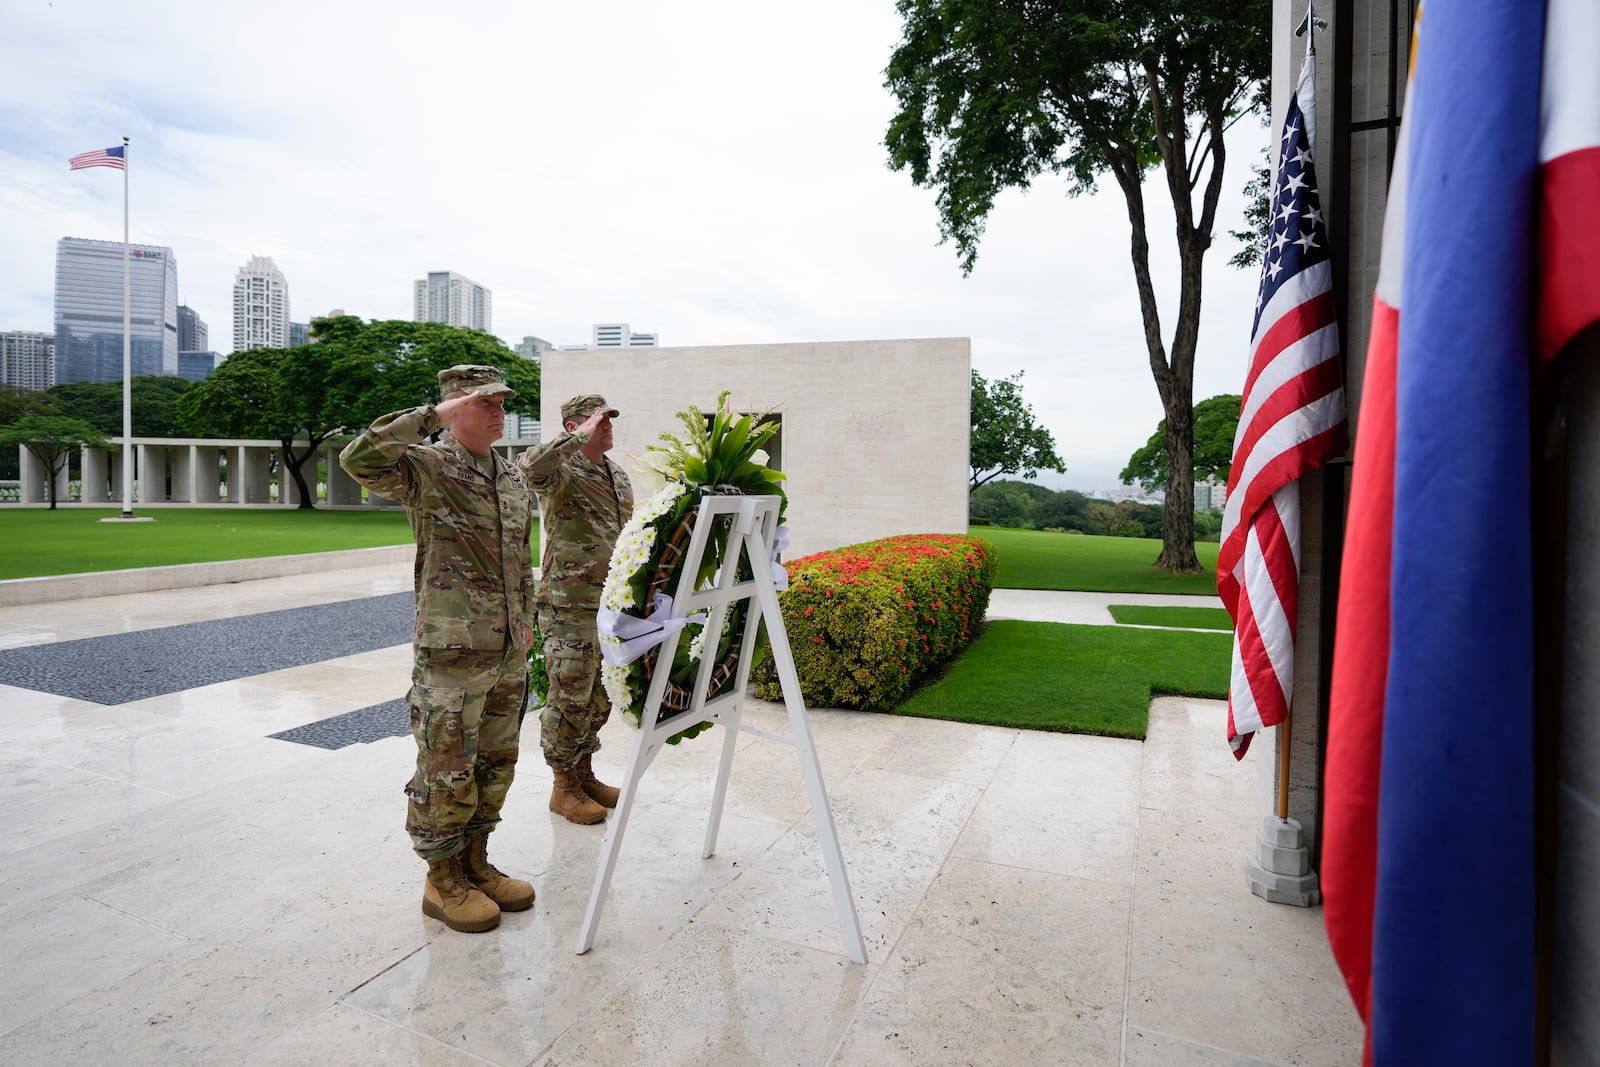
x=28, y=359
x=193, y=336
x=453, y=299
x=619, y=335
x=88, y=315
x=532, y=348
x=299, y=334
x=197, y=366
x=260, y=306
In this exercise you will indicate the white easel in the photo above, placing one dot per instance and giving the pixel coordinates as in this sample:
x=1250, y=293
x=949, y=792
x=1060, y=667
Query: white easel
x=754, y=520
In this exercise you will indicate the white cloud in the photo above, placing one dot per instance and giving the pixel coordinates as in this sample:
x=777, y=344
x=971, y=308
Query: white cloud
x=713, y=171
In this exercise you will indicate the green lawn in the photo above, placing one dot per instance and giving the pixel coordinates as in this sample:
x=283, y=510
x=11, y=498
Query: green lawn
x=1072, y=679
x=1153, y=615
x=74, y=540
x=1035, y=559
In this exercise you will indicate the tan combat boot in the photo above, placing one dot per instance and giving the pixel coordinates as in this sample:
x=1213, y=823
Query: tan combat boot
x=604, y=795
x=450, y=898
x=568, y=798
x=511, y=894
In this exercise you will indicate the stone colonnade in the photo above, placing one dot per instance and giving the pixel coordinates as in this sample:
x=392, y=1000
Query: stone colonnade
x=208, y=472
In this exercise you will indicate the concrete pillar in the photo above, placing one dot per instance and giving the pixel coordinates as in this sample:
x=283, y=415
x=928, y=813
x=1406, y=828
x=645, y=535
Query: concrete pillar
x=206, y=465
x=34, y=489
x=150, y=474
x=182, y=474
x=342, y=489
x=249, y=484
x=96, y=466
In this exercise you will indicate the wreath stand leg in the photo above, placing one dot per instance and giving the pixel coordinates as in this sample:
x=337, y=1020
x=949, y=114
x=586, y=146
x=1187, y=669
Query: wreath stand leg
x=753, y=525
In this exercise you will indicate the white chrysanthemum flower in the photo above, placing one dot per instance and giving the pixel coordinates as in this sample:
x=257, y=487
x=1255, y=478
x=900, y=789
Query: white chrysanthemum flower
x=697, y=646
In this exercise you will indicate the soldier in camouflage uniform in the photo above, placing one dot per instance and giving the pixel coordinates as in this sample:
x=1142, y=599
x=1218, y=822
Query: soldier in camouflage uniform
x=470, y=515
x=584, y=501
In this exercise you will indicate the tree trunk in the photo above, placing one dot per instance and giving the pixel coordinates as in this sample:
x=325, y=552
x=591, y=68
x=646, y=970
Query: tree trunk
x=308, y=497
x=1177, y=517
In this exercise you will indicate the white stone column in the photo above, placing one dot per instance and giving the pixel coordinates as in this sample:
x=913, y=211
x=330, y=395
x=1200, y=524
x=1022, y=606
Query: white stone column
x=343, y=490
x=95, y=464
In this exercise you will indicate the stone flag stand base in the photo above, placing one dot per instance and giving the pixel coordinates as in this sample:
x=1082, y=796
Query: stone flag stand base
x=1280, y=871
x=755, y=519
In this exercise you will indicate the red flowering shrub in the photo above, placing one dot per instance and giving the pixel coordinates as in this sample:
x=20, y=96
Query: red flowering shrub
x=867, y=622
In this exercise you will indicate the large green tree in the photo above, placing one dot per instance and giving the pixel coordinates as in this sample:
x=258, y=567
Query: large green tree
x=1216, y=420
x=154, y=401
x=994, y=93
x=52, y=439
x=1005, y=437
x=16, y=402
x=351, y=374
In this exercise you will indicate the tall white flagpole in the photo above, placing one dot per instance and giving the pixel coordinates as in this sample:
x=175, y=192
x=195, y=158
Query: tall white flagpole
x=127, y=354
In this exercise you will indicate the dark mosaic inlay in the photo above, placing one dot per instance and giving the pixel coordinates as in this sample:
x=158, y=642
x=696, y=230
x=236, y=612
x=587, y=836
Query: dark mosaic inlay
x=120, y=668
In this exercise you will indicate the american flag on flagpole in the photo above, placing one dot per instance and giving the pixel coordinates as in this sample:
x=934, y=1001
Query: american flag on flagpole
x=100, y=157
x=1292, y=420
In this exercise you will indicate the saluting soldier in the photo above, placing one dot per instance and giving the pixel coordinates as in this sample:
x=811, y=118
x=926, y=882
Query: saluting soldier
x=584, y=501
x=470, y=515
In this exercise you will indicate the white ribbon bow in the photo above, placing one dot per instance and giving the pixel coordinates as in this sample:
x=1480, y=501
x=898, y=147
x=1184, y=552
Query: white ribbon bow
x=780, y=541
x=632, y=637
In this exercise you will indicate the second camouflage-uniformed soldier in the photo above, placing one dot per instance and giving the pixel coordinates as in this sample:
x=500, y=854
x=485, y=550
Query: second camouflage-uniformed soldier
x=584, y=501
x=470, y=513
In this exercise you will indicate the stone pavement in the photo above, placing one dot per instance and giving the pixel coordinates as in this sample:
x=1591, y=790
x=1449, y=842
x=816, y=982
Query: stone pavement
x=181, y=887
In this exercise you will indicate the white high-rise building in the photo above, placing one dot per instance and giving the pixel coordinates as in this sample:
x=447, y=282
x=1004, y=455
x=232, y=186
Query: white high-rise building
x=28, y=359
x=447, y=297
x=618, y=335
x=260, y=306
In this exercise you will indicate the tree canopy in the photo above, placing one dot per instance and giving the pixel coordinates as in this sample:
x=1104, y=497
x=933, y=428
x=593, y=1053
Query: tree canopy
x=1005, y=437
x=1216, y=420
x=52, y=439
x=154, y=400
x=993, y=94
x=349, y=375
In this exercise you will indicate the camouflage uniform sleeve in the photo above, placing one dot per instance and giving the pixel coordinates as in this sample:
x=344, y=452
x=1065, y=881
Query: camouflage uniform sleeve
x=547, y=468
x=383, y=459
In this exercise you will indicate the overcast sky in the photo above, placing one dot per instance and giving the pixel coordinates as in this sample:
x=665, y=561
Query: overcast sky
x=710, y=170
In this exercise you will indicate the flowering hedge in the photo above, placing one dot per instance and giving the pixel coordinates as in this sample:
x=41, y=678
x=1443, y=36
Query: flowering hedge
x=867, y=622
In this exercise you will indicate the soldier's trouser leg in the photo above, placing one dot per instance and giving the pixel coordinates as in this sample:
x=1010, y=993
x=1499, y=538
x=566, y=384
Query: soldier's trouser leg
x=466, y=711
x=576, y=707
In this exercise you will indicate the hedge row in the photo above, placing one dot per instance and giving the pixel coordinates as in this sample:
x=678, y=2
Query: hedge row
x=867, y=622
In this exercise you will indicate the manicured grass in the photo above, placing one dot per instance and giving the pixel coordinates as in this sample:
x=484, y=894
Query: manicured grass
x=1155, y=615
x=1035, y=559
x=74, y=540
x=1072, y=679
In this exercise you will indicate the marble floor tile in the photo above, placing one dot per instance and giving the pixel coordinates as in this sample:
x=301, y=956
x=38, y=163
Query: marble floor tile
x=88, y=804
x=1060, y=803
x=343, y=1036
x=26, y=778
x=177, y=758
x=246, y=707
x=894, y=832
x=1241, y=974
x=1194, y=854
x=956, y=752
x=60, y=948
x=1151, y=1048
x=508, y=994
x=713, y=995
x=1000, y=966
x=1190, y=765
x=217, y=1000
x=34, y=720
x=358, y=686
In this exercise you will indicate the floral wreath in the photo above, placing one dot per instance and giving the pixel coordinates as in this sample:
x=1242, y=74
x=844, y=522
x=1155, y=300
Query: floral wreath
x=722, y=455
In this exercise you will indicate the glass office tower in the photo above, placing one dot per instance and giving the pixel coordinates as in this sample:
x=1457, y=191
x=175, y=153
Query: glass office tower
x=89, y=310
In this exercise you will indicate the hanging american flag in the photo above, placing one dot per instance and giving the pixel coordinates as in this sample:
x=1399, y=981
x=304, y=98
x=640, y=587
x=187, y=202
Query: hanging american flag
x=100, y=157
x=1292, y=420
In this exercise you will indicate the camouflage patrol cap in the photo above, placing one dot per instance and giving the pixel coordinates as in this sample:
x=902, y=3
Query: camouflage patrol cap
x=581, y=407
x=474, y=378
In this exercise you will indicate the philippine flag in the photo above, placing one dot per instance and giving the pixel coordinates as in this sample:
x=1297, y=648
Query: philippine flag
x=1489, y=270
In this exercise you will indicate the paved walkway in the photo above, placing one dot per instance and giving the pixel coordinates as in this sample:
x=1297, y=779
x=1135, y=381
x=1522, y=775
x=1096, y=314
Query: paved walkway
x=179, y=887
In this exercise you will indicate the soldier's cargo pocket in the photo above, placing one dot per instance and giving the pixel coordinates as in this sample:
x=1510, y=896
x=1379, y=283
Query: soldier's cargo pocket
x=442, y=760
x=571, y=677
